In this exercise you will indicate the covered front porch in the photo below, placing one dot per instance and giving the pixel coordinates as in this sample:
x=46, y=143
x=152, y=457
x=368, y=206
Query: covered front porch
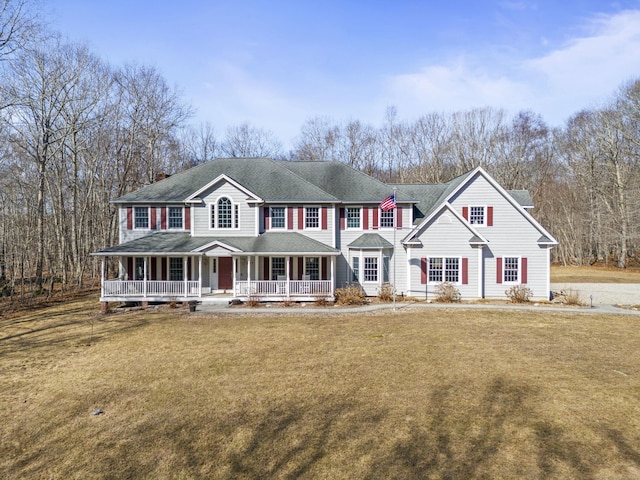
x=267, y=268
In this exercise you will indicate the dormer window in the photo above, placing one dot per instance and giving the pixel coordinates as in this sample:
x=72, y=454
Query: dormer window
x=224, y=214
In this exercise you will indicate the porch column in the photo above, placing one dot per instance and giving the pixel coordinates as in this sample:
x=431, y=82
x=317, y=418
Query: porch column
x=249, y=273
x=102, y=277
x=144, y=276
x=333, y=270
x=287, y=288
x=185, y=274
x=200, y=276
x=233, y=269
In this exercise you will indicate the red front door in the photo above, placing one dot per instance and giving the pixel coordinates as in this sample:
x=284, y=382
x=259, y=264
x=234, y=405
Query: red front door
x=225, y=273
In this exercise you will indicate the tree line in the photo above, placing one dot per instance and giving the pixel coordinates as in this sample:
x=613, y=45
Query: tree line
x=77, y=132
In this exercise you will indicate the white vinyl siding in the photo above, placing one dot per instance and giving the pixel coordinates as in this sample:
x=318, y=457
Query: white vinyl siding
x=246, y=213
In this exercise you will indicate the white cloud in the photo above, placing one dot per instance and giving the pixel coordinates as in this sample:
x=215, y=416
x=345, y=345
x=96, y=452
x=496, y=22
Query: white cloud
x=580, y=74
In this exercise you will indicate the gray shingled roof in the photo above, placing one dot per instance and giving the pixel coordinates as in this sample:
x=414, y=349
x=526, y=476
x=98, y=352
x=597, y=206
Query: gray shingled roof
x=370, y=240
x=341, y=181
x=264, y=177
x=183, y=244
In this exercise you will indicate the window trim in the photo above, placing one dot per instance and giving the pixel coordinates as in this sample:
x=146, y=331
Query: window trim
x=484, y=215
x=317, y=218
x=272, y=267
x=346, y=216
x=170, y=268
x=518, y=271
x=443, y=270
x=305, y=271
x=382, y=213
x=169, y=227
x=364, y=269
x=284, y=217
x=215, y=213
x=135, y=217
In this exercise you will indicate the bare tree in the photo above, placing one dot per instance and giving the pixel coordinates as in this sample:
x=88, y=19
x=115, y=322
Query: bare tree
x=247, y=141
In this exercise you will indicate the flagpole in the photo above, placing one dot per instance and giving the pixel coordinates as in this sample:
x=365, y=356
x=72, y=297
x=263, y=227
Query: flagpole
x=395, y=228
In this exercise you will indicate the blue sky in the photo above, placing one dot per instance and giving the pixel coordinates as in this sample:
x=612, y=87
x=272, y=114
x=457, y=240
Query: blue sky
x=276, y=63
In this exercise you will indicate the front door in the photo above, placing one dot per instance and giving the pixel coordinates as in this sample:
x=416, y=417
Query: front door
x=225, y=273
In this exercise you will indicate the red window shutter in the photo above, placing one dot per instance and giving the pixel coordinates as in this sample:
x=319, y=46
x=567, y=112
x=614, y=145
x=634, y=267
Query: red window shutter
x=465, y=213
x=342, y=215
x=523, y=266
x=499, y=270
x=188, y=268
x=365, y=218
x=266, y=218
x=398, y=217
x=324, y=269
x=324, y=218
x=164, y=268
x=154, y=218
x=129, y=218
x=423, y=271
x=130, y=272
x=300, y=218
x=163, y=218
x=489, y=216
x=465, y=271
x=375, y=218
x=290, y=218
x=300, y=267
x=265, y=273
x=187, y=218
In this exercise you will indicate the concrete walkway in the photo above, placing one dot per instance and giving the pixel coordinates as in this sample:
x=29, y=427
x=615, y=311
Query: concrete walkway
x=600, y=298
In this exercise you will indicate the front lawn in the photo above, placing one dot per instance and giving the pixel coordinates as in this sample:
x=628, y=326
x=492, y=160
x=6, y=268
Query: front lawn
x=417, y=393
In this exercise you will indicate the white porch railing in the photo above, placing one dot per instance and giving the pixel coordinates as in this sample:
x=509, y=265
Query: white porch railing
x=278, y=288
x=150, y=288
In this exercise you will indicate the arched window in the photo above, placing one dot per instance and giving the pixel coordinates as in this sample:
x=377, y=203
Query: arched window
x=225, y=213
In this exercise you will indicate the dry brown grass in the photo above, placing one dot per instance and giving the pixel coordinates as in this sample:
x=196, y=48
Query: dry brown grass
x=438, y=393
x=594, y=274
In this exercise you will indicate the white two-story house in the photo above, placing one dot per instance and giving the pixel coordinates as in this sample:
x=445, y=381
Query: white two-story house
x=271, y=230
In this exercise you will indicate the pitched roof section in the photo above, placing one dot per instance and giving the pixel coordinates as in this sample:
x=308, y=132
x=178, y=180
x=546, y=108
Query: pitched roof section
x=263, y=177
x=163, y=243
x=341, y=181
x=370, y=240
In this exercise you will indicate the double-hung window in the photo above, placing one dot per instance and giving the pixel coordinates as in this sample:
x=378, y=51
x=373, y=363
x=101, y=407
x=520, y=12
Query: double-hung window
x=278, y=268
x=312, y=217
x=511, y=269
x=444, y=269
x=353, y=217
x=139, y=273
x=278, y=217
x=370, y=269
x=355, y=269
x=387, y=218
x=312, y=267
x=175, y=217
x=176, y=269
x=141, y=217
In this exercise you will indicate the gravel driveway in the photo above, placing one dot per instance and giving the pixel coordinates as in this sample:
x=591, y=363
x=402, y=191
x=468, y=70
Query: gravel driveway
x=604, y=293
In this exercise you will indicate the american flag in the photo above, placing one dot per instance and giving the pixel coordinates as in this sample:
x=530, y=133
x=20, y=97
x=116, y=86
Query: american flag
x=388, y=203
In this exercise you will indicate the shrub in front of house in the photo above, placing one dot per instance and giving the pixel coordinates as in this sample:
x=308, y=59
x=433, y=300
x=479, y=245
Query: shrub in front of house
x=519, y=294
x=447, y=293
x=350, y=295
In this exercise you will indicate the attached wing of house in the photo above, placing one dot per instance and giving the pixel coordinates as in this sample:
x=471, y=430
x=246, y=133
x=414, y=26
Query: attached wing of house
x=298, y=230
